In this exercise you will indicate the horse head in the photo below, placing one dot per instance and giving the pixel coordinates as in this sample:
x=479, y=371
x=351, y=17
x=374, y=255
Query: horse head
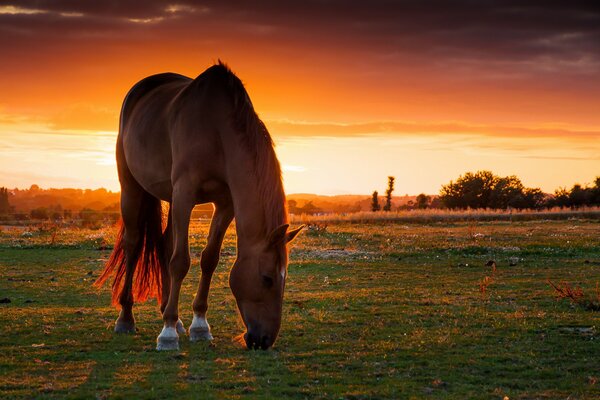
x=257, y=281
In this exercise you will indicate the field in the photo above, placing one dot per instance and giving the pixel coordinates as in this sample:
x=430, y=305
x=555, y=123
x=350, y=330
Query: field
x=380, y=310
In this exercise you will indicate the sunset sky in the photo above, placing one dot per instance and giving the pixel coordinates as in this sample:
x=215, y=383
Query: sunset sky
x=351, y=91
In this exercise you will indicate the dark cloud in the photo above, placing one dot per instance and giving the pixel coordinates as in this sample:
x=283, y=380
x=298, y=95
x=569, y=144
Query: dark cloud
x=432, y=47
x=509, y=30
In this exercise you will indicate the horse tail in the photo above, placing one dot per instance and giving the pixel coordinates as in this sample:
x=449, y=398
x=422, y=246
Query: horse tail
x=147, y=281
x=149, y=257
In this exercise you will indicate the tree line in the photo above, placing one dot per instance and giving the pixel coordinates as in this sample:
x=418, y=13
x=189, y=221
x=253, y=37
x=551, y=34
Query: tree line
x=484, y=189
x=481, y=189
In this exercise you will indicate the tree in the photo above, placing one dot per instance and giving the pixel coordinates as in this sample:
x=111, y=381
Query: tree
x=39, y=213
x=561, y=197
x=483, y=189
x=596, y=192
x=388, y=194
x=309, y=208
x=423, y=201
x=506, y=192
x=375, y=202
x=292, y=206
x=578, y=196
x=90, y=217
x=4, y=204
x=471, y=190
x=534, y=198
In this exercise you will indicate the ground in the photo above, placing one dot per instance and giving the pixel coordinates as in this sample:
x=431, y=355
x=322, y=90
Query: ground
x=386, y=310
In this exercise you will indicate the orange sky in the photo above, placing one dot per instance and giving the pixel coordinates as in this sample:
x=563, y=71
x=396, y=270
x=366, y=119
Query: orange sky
x=350, y=94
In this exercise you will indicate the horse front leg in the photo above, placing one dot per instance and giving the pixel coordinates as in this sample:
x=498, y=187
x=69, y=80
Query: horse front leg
x=165, y=276
x=179, y=265
x=200, y=329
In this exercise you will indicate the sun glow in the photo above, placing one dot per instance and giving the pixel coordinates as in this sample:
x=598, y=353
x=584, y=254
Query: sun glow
x=421, y=162
x=345, y=109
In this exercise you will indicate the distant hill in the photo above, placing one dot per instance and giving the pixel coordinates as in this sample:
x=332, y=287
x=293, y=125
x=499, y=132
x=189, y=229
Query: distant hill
x=25, y=200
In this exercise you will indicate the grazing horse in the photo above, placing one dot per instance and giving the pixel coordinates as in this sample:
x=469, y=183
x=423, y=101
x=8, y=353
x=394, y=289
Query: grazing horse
x=186, y=142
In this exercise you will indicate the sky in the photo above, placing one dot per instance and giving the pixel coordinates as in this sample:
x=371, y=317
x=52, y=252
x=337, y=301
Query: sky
x=351, y=91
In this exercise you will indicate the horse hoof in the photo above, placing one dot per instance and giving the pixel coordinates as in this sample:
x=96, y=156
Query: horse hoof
x=180, y=328
x=125, y=327
x=167, y=344
x=167, y=340
x=200, y=330
x=200, y=334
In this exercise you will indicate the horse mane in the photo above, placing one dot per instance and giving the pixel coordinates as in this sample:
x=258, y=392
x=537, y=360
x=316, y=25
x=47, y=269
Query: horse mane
x=258, y=141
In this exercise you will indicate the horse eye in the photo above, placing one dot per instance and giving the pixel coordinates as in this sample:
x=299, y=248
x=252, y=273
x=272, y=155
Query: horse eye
x=267, y=281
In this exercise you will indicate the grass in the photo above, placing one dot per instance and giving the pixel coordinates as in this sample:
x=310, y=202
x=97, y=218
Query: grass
x=433, y=215
x=372, y=311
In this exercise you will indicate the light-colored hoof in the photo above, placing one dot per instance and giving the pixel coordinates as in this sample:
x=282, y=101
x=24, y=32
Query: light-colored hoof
x=168, y=339
x=200, y=330
x=180, y=328
x=167, y=344
x=124, y=327
x=198, y=334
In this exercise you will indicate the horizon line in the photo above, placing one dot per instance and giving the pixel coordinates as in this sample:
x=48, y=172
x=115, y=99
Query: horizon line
x=287, y=194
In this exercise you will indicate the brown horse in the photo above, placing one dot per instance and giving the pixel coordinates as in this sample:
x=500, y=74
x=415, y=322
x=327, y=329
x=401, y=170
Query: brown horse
x=186, y=142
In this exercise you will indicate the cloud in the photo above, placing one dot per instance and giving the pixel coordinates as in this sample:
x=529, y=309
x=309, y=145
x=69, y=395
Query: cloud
x=80, y=118
x=393, y=128
x=74, y=117
x=564, y=34
x=16, y=10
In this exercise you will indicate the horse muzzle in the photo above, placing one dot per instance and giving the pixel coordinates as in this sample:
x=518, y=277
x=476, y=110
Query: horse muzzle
x=255, y=340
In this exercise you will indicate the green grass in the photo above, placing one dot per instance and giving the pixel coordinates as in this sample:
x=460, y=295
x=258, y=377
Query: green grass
x=371, y=311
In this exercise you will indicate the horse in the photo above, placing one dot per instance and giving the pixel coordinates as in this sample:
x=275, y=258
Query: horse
x=190, y=141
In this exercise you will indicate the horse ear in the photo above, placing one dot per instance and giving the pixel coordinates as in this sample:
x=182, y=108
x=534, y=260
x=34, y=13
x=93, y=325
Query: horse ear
x=278, y=234
x=293, y=233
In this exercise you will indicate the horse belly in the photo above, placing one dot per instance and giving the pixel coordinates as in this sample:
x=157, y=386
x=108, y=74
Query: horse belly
x=148, y=157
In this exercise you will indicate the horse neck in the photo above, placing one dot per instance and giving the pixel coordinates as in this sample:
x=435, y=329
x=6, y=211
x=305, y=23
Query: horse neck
x=253, y=217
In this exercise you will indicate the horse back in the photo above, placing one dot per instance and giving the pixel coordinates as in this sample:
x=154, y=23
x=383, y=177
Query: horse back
x=143, y=133
x=173, y=127
x=145, y=86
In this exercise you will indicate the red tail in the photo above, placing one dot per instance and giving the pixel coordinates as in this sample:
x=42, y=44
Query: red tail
x=150, y=258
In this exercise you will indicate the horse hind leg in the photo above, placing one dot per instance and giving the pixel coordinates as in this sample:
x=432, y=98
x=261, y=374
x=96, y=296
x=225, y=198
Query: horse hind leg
x=132, y=240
